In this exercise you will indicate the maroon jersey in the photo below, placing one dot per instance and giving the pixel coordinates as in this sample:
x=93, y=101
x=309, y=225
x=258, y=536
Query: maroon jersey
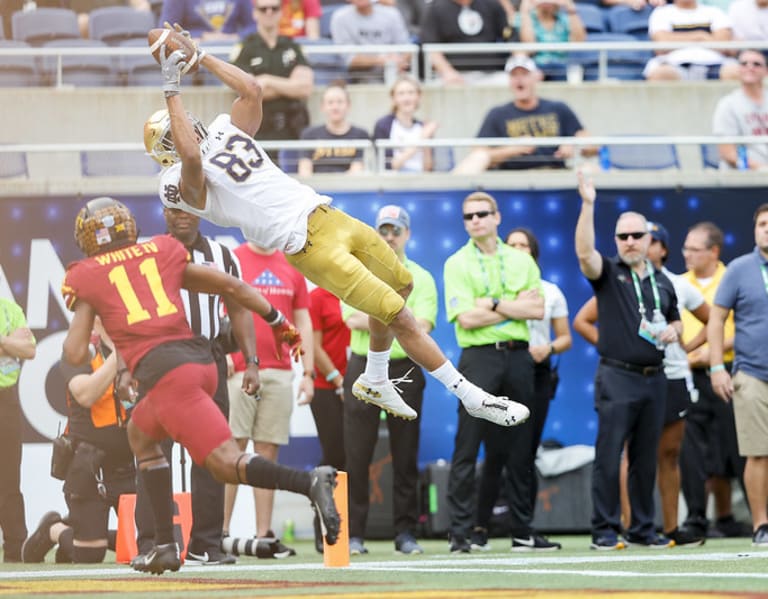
x=135, y=291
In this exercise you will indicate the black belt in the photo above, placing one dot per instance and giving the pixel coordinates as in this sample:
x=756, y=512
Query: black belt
x=507, y=345
x=644, y=370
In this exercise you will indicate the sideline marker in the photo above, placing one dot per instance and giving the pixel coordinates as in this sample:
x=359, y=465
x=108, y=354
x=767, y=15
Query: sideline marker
x=337, y=556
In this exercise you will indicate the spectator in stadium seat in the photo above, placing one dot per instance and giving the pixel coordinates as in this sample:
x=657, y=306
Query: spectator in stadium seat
x=749, y=19
x=744, y=111
x=210, y=20
x=282, y=71
x=465, y=21
x=689, y=21
x=526, y=115
x=548, y=21
x=402, y=125
x=301, y=18
x=84, y=7
x=335, y=106
x=365, y=23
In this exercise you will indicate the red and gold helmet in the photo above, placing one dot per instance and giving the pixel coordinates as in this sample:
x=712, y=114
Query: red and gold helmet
x=104, y=224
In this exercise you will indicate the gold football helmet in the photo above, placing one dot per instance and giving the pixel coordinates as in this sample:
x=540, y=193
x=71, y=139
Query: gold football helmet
x=158, y=139
x=104, y=224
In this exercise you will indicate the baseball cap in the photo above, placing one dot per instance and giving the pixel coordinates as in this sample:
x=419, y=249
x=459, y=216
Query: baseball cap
x=659, y=233
x=522, y=61
x=393, y=215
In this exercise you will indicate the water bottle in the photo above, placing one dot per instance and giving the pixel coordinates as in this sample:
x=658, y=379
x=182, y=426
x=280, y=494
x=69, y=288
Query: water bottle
x=289, y=533
x=741, y=161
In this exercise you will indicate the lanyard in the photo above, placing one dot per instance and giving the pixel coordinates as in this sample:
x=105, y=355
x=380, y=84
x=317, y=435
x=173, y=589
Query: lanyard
x=486, y=278
x=654, y=289
x=764, y=272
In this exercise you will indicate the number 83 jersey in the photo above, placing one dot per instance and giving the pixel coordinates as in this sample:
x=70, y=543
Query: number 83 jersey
x=136, y=292
x=245, y=189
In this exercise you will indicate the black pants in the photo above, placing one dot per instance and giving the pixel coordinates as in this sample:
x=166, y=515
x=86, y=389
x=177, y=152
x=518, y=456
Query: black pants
x=12, y=518
x=490, y=483
x=207, y=493
x=328, y=411
x=361, y=432
x=500, y=372
x=709, y=447
x=630, y=407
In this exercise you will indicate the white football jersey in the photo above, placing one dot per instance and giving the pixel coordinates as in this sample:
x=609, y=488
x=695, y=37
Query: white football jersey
x=245, y=189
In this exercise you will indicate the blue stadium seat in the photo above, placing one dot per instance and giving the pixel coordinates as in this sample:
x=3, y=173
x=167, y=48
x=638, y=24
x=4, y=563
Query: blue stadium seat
x=117, y=164
x=139, y=69
x=639, y=156
x=328, y=66
x=710, y=156
x=621, y=64
x=88, y=70
x=325, y=19
x=622, y=19
x=443, y=159
x=288, y=160
x=115, y=24
x=592, y=16
x=13, y=164
x=42, y=25
x=18, y=71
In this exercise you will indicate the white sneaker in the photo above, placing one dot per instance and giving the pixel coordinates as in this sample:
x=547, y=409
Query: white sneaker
x=500, y=410
x=386, y=395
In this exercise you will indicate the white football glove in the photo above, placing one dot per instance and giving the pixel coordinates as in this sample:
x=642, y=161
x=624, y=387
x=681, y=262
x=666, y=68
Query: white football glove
x=172, y=67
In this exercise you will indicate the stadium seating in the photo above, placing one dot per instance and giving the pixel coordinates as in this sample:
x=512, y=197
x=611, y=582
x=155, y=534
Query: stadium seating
x=115, y=24
x=288, y=160
x=88, y=70
x=710, y=156
x=17, y=71
x=13, y=164
x=622, y=19
x=42, y=25
x=325, y=19
x=328, y=66
x=139, y=69
x=592, y=16
x=117, y=164
x=443, y=159
x=640, y=157
x=621, y=64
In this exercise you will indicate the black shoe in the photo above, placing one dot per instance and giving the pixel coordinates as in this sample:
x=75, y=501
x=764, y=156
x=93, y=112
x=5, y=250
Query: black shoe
x=158, y=560
x=478, y=539
x=684, y=537
x=212, y=557
x=321, y=494
x=653, y=541
x=39, y=543
x=534, y=542
x=318, y=532
x=460, y=545
x=729, y=527
x=271, y=547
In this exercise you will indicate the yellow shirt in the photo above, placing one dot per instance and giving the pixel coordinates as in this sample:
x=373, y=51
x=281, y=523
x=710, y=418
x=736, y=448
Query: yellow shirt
x=691, y=325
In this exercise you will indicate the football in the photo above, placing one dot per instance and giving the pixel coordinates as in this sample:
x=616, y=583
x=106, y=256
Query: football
x=173, y=41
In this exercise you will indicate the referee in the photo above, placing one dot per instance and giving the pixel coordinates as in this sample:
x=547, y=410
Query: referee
x=203, y=312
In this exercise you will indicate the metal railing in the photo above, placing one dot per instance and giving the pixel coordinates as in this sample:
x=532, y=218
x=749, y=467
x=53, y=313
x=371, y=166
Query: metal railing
x=603, y=48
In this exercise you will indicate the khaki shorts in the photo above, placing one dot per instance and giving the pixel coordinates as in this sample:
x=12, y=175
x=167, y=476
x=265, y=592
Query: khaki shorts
x=750, y=410
x=267, y=420
x=350, y=259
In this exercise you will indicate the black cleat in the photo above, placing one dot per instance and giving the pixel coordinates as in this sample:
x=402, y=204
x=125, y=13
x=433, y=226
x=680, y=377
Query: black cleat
x=159, y=559
x=39, y=542
x=321, y=494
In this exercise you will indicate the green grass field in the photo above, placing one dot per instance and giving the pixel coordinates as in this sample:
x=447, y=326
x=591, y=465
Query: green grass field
x=721, y=568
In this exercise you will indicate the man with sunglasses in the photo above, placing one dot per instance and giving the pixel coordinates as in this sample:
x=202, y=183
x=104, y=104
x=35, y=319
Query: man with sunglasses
x=361, y=421
x=744, y=111
x=640, y=304
x=281, y=68
x=491, y=289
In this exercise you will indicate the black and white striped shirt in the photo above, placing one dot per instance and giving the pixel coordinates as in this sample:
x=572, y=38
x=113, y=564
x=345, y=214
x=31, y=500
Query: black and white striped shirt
x=203, y=310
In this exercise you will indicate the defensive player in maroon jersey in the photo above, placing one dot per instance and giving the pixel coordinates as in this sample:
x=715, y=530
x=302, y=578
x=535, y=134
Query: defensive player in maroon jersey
x=134, y=287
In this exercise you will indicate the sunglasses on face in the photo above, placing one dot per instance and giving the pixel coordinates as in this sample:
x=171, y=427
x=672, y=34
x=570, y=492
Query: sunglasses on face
x=478, y=214
x=752, y=63
x=269, y=8
x=633, y=235
x=385, y=230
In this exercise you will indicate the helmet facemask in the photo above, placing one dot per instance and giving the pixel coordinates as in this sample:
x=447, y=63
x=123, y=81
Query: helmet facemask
x=104, y=224
x=158, y=138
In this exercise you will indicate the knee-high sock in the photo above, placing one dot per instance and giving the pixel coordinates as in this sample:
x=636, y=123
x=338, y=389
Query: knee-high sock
x=262, y=473
x=157, y=482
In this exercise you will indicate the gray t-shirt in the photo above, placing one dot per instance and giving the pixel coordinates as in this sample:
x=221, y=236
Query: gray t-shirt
x=385, y=25
x=736, y=114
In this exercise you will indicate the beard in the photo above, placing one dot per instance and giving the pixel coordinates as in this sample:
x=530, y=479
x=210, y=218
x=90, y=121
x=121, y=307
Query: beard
x=632, y=260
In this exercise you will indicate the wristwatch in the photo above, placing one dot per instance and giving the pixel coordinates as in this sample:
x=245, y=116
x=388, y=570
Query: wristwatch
x=495, y=303
x=252, y=360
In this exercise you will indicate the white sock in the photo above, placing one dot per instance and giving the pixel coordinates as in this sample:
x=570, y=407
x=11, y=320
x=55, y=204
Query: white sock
x=455, y=382
x=377, y=366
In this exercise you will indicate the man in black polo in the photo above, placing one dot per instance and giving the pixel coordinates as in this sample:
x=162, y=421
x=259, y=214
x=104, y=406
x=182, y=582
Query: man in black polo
x=491, y=289
x=639, y=307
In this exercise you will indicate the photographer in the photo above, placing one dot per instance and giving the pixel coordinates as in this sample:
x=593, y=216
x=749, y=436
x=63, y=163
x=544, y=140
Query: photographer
x=100, y=467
